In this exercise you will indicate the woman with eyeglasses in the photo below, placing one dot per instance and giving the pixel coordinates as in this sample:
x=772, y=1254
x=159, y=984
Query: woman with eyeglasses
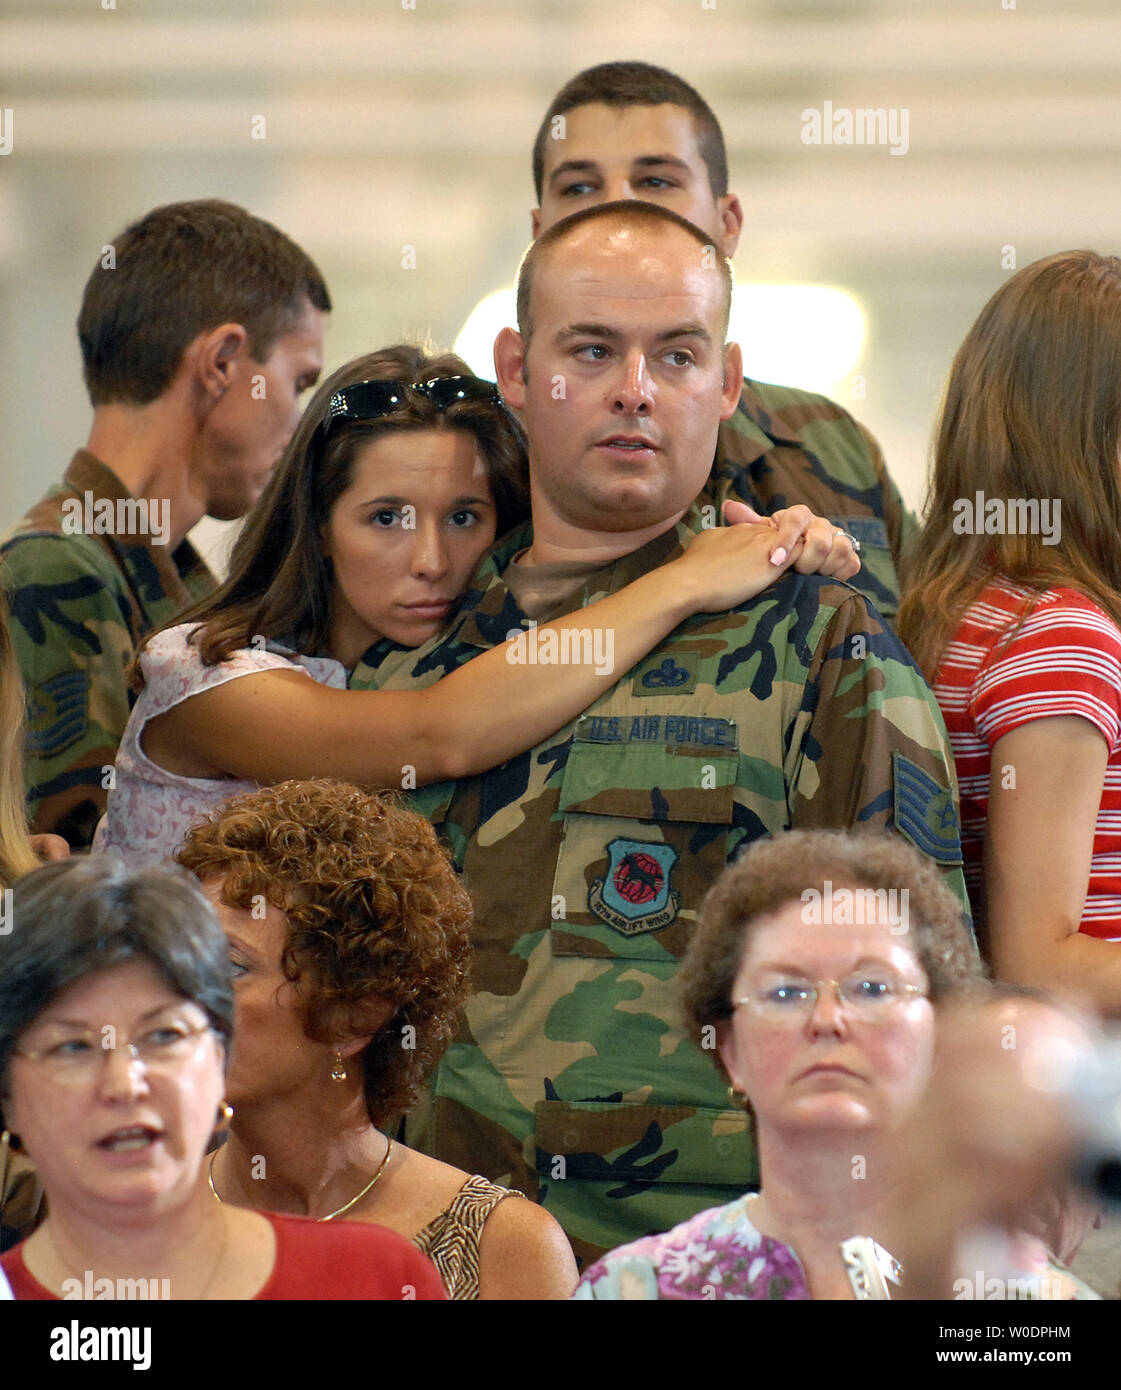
x=814, y=980
x=401, y=473
x=116, y=1010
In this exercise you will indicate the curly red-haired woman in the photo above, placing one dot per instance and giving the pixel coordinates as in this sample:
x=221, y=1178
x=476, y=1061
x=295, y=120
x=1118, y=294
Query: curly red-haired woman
x=349, y=939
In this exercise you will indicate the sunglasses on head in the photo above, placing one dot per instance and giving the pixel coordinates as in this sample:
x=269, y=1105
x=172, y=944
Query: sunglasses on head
x=371, y=400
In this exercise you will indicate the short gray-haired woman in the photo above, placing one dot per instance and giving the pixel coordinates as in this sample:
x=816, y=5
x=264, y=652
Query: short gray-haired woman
x=115, y=1017
x=817, y=970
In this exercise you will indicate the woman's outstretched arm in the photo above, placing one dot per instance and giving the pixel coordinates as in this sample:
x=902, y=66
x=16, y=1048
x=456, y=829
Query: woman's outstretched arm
x=280, y=724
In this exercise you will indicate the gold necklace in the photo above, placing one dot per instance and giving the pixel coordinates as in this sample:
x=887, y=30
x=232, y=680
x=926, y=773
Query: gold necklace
x=339, y=1210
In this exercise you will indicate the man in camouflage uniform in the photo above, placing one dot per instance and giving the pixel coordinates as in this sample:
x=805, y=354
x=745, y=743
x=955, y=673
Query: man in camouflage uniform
x=587, y=857
x=630, y=130
x=199, y=327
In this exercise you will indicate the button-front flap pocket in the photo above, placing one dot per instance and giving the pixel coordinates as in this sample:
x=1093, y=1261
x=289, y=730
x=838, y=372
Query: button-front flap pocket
x=652, y=767
x=629, y=1144
x=648, y=800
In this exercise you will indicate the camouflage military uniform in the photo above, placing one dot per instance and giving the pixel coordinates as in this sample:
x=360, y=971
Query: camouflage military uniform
x=79, y=605
x=784, y=446
x=22, y=1204
x=587, y=858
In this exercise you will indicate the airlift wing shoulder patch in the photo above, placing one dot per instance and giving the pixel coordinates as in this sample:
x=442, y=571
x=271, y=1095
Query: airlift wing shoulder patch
x=925, y=811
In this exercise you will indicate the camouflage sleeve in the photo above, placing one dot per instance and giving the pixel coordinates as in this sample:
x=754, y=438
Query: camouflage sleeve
x=21, y=1192
x=902, y=524
x=870, y=747
x=71, y=633
x=786, y=446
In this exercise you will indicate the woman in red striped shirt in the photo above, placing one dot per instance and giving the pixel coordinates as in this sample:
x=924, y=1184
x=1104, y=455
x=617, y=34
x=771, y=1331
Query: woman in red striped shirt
x=1013, y=610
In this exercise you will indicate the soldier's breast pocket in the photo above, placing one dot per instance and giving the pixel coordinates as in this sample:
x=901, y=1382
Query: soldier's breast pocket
x=647, y=801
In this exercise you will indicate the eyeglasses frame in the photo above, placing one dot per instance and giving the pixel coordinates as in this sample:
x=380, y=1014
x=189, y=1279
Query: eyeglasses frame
x=41, y=1054
x=815, y=988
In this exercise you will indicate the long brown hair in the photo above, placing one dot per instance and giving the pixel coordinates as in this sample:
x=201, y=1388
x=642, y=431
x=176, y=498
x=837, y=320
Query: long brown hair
x=279, y=583
x=16, y=855
x=1032, y=410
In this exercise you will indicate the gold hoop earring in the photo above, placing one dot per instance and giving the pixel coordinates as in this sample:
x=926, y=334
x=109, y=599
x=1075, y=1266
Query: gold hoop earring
x=222, y=1122
x=338, y=1071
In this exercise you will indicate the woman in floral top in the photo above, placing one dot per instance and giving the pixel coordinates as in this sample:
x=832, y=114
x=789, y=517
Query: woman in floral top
x=817, y=978
x=820, y=998
x=717, y=1254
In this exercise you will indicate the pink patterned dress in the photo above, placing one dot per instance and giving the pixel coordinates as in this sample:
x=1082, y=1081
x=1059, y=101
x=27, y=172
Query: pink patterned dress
x=151, y=809
x=719, y=1254
x=714, y=1255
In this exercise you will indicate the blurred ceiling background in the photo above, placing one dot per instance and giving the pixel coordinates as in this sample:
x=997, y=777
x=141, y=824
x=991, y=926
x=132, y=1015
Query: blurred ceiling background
x=390, y=125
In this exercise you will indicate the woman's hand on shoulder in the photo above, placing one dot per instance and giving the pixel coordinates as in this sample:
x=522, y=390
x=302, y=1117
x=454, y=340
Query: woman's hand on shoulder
x=724, y=566
x=824, y=548
x=727, y=565
x=524, y=1254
